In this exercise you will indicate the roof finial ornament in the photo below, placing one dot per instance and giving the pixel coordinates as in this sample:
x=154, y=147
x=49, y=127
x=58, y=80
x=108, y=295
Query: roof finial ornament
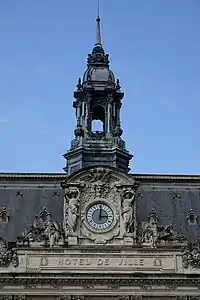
x=98, y=7
x=98, y=30
x=79, y=84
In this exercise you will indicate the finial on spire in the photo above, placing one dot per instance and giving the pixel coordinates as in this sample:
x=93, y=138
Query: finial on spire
x=98, y=30
x=98, y=7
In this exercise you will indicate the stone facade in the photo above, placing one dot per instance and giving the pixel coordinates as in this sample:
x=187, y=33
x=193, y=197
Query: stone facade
x=97, y=232
x=132, y=258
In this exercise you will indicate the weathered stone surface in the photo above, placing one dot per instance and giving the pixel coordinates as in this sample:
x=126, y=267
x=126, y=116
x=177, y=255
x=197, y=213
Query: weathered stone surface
x=191, y=255
x=7, y=255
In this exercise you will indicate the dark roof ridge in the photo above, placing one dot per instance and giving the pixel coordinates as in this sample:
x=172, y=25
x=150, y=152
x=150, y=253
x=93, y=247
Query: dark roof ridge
x=29, y=175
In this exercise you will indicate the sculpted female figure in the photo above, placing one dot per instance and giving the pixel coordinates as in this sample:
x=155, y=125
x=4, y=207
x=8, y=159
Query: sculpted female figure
x=127, y=209
x=52, y=231
x=71, y=211
x=150, y=230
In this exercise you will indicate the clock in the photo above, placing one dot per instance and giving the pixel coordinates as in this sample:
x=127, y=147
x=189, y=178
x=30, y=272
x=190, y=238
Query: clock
x=100, y=216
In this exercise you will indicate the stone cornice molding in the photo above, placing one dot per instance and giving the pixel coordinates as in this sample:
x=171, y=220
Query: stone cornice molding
x=171, y=282
x=32, y=176
x=62, y=176
x=12, y=297
x=83, y=297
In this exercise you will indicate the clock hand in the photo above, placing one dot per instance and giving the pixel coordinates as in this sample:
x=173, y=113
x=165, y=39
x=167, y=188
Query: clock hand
x=100, y=212
x=104, y=216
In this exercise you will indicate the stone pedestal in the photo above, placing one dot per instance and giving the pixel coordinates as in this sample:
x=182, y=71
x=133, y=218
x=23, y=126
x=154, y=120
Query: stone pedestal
x=72, y=240
x=128, y=241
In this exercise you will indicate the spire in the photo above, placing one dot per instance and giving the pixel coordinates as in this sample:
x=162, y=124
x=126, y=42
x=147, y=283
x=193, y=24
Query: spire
x=98, y=56
x=98, y=30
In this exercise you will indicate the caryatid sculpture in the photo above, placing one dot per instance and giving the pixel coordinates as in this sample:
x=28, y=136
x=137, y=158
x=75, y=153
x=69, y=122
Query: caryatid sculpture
x=71, y=211
x=127, y=209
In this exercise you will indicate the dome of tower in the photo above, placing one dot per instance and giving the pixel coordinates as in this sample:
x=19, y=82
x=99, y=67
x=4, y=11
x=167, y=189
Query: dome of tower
x=98, y=74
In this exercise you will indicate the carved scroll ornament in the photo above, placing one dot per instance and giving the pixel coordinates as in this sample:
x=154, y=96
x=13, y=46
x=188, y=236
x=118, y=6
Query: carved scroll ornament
x=100, y=174
x=97, y=184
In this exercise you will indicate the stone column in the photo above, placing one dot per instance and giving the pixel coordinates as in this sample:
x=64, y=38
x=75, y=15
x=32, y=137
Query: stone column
x=78, y=115
x=118, y=113
x=87, y=113
x=78, y=111
x=83, y=113
x=109, y=118
x=109, y=113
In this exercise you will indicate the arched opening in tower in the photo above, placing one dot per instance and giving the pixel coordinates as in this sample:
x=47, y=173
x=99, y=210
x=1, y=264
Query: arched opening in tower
x=98, y=119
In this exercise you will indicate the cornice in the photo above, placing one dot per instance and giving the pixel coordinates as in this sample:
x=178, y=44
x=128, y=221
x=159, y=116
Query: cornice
x=32, y=176
x=166, y=177
x=61, y=176
x=171, y=282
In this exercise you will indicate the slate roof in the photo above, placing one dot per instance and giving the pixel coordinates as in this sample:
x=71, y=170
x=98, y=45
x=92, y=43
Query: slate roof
x=171, y=196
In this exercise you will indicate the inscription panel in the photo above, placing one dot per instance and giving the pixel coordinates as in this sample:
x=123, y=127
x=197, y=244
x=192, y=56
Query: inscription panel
x=101, y=262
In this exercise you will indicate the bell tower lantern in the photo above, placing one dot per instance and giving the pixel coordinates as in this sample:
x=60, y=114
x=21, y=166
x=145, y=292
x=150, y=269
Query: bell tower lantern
x=98, y=97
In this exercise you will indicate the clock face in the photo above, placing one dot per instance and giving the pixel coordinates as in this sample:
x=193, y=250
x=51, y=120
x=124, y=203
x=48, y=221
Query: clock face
x=100, y=216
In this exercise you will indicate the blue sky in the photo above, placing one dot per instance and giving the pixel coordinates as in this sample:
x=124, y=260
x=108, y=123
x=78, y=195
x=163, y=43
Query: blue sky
x=154, y=48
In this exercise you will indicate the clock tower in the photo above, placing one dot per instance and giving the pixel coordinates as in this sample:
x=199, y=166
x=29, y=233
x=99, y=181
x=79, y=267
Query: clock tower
x=98, y=98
